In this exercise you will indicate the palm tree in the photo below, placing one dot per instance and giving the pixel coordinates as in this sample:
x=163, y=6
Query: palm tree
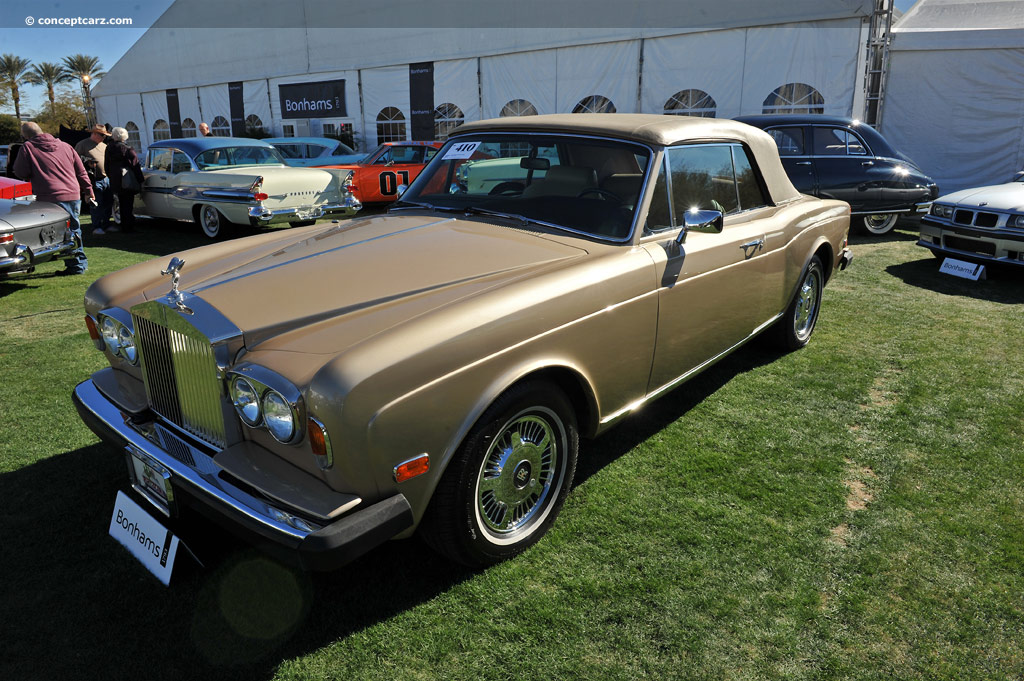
x=50, y=75
x=86, y=69
x=80, y=65
x=13, y=74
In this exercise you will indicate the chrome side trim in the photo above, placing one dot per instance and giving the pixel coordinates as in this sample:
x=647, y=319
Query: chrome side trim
x=689, y=374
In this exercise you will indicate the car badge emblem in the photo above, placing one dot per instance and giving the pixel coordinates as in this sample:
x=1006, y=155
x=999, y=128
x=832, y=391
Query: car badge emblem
x=983, y=203
x=176, y=297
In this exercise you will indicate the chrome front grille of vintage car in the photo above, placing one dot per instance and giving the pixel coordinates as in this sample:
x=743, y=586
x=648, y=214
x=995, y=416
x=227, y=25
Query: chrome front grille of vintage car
x=180, y=374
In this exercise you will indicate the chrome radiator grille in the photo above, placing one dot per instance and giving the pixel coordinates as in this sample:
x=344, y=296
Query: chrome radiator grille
x=180, y=373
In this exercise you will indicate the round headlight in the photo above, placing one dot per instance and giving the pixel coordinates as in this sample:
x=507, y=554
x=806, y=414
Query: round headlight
x=126, y=341
x=108, y=329
x=246, y=401
x=277, y=414
x=1016, y=221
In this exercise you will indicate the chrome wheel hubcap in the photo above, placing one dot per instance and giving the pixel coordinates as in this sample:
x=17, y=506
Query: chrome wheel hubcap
x=211, y=221
x=518, y=474
x=807, y=305
x=880, y=223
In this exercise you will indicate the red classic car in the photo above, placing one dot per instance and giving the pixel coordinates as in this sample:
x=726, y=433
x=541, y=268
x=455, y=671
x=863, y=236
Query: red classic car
x=377, y=177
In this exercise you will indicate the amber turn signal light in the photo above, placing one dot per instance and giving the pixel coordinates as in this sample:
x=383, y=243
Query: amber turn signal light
x=320, y=442
x=412, y=468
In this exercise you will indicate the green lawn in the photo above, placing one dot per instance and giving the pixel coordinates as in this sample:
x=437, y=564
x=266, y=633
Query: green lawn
x=854, y=510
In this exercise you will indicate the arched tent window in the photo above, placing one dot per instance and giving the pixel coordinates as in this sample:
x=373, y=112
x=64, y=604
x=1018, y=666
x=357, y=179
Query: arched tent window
x=161, y=130
x=220, y=127
x=447, y=117
x=390, y=125
x=134, y=141
x=518, y=107
x=188, y=128
x=254, y=125
x=691, y=103
x=794, y=98
x=595, y=104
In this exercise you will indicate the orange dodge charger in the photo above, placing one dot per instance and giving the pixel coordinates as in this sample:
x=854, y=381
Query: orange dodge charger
x=376, y=178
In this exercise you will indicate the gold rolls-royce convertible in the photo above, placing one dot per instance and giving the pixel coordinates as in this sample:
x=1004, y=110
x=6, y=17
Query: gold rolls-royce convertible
x=323, y=390
x=216, y=182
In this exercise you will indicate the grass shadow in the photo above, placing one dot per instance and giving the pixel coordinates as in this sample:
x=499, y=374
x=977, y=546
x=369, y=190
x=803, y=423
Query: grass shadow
x=662, y=412
x=1004, y=284
x=13, y=285
x=77, y=605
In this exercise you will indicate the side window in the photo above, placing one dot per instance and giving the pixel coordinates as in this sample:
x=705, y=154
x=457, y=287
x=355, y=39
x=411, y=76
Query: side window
x=407, y=154
x=180, y=163
x=837, y=142
x=790, y=141
x=430, y=153
x=160, y=159
x=747, y=186
x=702, y=178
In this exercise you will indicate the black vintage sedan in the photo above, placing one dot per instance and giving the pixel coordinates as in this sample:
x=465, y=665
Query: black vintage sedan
x=840, y=158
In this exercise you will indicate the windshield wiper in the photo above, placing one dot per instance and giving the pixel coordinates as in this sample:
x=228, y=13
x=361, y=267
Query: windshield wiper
x=521, y=219
x=410, y=204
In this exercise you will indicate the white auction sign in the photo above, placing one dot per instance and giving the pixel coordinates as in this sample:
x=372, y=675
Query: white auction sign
x=143, y=535
x=963, y=269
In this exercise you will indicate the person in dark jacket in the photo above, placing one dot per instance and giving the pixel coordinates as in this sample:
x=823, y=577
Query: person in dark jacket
x=58, y=176
x=120, y=159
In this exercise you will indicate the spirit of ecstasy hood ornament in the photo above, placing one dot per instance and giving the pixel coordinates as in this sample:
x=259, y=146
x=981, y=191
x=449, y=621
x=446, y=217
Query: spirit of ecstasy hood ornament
x=175, y=296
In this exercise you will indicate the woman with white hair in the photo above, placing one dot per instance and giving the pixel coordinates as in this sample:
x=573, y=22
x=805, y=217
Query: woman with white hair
x=119, y=161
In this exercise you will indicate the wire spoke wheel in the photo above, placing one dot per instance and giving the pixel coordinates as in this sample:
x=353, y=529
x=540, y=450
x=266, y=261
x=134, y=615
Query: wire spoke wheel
x=807, y=302
x=508, y=480
x=515, y=479
x=794, y=328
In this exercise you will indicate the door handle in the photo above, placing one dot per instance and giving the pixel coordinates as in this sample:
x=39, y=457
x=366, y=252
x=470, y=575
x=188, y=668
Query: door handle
x=756, y=243
x=803, y=163
x=868, y=163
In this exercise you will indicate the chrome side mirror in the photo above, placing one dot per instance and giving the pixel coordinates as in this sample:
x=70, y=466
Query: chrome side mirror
x=401, y=190
x=711, y=221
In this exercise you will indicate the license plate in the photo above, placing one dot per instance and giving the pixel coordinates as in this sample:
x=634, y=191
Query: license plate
x=144, y=537
x=151, y=480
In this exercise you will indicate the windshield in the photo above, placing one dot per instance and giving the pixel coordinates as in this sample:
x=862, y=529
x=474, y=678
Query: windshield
x=583, y=184
x=238, y=156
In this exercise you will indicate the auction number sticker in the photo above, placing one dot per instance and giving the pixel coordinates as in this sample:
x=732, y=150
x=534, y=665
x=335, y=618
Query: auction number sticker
x=462, y=150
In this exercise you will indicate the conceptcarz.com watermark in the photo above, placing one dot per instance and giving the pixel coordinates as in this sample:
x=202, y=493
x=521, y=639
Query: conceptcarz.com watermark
x=78, y=21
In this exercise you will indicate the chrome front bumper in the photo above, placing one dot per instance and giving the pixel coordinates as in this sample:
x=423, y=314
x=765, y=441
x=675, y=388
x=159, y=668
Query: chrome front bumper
x=204, y=488
x=267, y=216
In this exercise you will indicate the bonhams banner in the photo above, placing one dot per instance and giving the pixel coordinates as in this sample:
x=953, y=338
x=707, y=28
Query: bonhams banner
x=173, y=113
x=421, y=100
x=324, y=99
x=236, y=101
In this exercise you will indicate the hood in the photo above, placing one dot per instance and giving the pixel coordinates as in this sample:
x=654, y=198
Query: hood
x=382, y=271
x=44, y=142
x=1009, y=197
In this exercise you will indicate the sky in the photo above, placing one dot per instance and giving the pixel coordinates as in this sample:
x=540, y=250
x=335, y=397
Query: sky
x=23, y=33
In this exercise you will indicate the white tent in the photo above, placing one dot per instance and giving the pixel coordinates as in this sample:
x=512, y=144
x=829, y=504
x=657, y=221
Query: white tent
x=955, y=97
x=722, y=58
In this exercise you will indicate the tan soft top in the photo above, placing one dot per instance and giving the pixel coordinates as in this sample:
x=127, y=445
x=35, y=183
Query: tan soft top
x=656, y=130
